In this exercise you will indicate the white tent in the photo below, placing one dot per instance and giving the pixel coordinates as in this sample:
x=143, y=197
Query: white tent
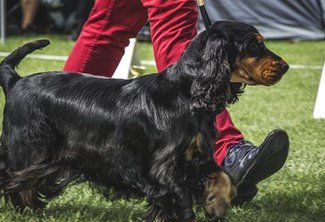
x=275, y=19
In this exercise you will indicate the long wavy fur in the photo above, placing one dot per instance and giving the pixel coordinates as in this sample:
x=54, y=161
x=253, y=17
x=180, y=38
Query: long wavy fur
x=128, y=136
x=209, y=89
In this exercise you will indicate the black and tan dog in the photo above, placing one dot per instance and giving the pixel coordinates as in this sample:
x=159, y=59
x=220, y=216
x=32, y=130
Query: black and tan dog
x=147, y=137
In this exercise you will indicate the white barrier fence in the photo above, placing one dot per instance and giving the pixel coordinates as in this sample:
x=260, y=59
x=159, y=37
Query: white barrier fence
x=319, y=110
x=2, y=21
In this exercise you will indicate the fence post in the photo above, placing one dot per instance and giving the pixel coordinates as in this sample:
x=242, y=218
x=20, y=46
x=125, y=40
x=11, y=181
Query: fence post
x=2, y=21
x=319, y=110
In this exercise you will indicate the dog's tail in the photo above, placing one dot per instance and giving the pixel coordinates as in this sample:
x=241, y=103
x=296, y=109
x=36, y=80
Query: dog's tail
x=8, y=75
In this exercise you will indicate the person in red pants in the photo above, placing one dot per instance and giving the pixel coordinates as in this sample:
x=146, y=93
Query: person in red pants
x=100, y=48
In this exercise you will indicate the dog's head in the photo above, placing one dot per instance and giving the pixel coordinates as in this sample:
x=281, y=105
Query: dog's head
x=251, y=62
x=234, y=54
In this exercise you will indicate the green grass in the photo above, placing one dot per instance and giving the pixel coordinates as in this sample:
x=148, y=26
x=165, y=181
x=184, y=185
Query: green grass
x=296, y=193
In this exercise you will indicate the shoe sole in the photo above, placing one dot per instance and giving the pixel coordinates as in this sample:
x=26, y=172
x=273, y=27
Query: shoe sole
x=274, y=153
x=244, y=195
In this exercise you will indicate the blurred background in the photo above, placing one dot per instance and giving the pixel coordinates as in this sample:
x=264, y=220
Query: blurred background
x=46, y=16
x=276, y=19
x=294, y=29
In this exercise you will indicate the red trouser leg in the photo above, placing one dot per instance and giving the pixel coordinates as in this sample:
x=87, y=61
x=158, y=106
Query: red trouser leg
x=228, y=135
x=173, y=26
x=105, y=35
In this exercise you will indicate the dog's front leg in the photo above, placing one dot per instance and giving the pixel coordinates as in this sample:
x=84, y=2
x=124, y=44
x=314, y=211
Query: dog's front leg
x=166, y=206
x=169, y=174
x=185, y=205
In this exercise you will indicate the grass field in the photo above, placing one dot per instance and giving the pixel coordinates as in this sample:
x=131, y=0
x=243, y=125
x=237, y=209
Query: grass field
x=296, y=193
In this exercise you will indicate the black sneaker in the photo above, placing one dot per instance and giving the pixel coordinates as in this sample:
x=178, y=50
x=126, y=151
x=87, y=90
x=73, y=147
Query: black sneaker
x=247, y=165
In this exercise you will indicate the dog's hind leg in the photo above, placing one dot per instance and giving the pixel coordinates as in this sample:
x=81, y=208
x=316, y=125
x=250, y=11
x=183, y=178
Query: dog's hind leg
x=32, y=146
x=5, y=179
x=30, y=185
x=166, y=171
x=4, y=176
x=23, y=188
x=3, y=168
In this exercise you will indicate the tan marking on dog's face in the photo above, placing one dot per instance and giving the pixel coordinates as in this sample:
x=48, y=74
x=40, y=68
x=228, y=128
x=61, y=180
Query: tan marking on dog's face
x=194, y=148
x=218, y=193
x=259, y=67
x=257, y=72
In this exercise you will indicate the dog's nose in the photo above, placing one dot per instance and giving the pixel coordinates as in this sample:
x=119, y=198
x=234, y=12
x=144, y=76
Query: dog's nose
x=283, y=66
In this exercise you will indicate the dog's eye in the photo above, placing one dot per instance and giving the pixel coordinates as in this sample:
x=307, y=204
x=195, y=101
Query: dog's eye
x=255, y=47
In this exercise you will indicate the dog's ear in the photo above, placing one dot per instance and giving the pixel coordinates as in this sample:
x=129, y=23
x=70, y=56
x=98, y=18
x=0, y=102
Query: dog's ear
x=210, y=89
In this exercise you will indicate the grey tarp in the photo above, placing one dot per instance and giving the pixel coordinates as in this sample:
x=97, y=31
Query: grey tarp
x=275, y=19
